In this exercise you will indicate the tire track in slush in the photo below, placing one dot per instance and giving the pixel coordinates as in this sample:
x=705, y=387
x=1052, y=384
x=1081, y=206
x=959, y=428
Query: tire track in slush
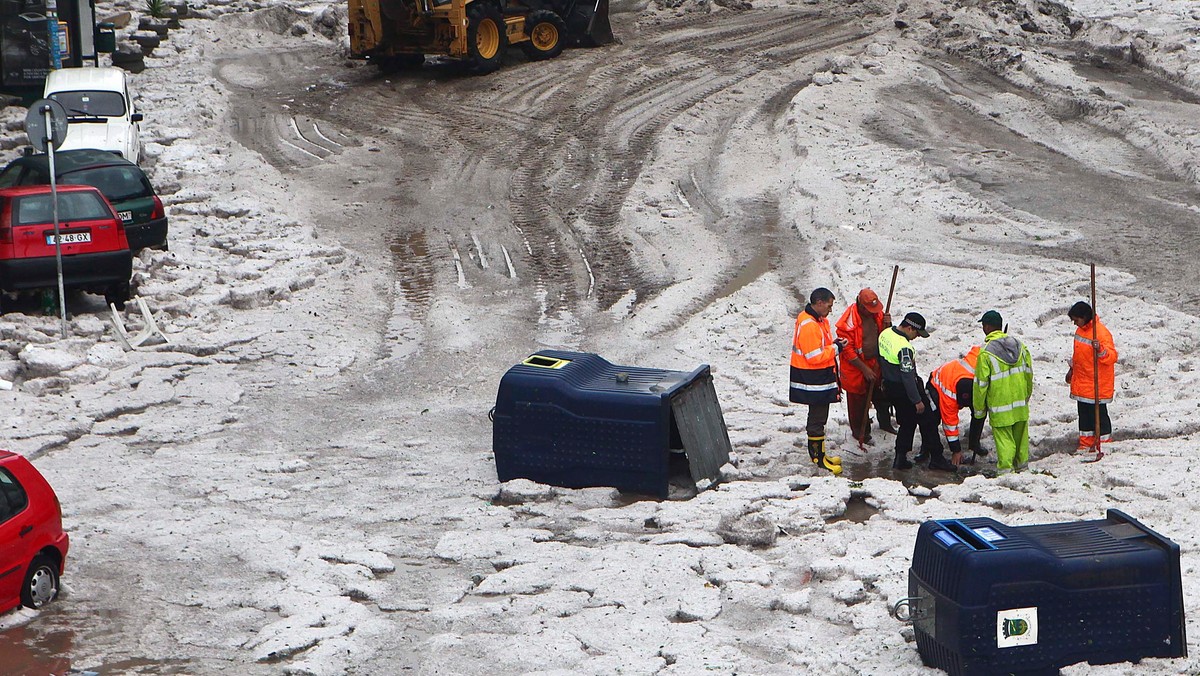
x=635, y=120
x=572, y=135
x=573, y=249
x=260, y=120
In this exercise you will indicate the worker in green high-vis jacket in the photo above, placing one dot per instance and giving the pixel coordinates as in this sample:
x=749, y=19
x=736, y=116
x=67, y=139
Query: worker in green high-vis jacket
x=1003, y=386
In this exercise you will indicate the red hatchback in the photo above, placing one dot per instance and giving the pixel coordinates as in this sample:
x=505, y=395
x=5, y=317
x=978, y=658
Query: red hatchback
x=33, y=546
x=95, y=250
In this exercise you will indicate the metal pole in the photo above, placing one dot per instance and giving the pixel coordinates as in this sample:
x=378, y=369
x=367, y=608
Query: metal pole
x=62, y=297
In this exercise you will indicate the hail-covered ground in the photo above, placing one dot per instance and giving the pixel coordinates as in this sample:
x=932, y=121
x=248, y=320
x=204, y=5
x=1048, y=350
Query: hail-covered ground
x=249, y=498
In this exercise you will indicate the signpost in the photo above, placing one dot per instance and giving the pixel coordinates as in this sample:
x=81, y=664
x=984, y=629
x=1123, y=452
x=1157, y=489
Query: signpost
x=46, y=126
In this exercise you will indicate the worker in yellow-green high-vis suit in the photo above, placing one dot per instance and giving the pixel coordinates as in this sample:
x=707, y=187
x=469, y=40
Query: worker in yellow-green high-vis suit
x=1003, y=386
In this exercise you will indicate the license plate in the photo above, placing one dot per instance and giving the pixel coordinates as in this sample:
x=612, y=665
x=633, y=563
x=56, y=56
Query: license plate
x=70, y=238
x=125, y=216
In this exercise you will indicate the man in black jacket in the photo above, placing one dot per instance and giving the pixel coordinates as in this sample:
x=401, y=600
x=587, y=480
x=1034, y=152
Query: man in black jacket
x=898, y=362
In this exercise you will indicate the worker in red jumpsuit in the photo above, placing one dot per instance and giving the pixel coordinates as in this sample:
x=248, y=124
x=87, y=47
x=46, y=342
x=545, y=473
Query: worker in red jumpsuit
x=860, y=326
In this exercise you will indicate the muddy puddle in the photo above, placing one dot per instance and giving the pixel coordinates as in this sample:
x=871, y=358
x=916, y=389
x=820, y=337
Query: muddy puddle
x=44, y=646
x=882, y=468
x=857, y=511
x=34, y=649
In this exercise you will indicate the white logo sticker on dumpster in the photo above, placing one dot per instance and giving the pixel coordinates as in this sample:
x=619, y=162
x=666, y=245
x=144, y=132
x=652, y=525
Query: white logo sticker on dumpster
x=988, y=534
x=1015, y=627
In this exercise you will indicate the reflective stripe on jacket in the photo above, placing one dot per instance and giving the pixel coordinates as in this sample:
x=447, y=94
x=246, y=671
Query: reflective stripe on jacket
x=850, y=327
x=945, y=380
x=1083, y=383
x=898, y=364
x=814, y=358
x=1003, y=380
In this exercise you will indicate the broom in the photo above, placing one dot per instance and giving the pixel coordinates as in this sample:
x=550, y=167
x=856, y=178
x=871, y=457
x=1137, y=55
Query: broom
x=1095, y=373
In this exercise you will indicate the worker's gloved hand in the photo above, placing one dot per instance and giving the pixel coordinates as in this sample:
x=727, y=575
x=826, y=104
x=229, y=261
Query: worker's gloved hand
x=840, y=343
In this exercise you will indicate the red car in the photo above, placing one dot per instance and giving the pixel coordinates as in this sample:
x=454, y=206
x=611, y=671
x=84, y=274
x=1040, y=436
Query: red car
x=95, y=249
x=33, y=546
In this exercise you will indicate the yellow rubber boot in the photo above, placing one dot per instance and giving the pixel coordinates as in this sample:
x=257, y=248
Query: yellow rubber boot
x=816, y=451
x=836, y=469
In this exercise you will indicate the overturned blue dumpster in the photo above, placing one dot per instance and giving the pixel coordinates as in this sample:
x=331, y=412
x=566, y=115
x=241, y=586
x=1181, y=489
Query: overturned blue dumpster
x=986, y=598
x=573, y=419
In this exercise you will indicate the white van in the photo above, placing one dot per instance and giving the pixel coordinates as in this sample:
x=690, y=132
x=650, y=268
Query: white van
x=100, y=112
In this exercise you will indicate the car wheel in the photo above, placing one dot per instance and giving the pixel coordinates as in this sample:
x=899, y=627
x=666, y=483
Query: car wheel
x=117, y=294
x=41, y=583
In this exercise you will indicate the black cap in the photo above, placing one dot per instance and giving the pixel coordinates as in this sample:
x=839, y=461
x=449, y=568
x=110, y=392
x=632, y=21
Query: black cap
x=917, y=322
x=991, y=318
x=1081, y=310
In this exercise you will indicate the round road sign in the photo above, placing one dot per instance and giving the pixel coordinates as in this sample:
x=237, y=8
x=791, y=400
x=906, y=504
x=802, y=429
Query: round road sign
x=35, y=124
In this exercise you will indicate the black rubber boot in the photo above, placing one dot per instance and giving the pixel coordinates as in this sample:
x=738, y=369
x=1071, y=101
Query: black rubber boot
x=939, y=462
x=901, y=461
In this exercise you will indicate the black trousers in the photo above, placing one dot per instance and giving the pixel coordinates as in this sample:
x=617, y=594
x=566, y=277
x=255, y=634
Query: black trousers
x=908, y=421
x=1087, y=418
x=818, y=415
x=975, y=430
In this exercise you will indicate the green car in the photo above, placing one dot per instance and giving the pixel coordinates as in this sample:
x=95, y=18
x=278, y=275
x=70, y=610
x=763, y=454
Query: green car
x=121, y=182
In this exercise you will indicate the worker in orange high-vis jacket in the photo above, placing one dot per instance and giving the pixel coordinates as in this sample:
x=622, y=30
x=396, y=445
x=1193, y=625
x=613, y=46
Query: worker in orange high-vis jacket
x=950, y=386
x=858, y=363
x=814, y=377
x=1082, y=375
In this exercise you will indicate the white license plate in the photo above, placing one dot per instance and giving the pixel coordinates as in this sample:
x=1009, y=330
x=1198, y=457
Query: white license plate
x=125, y=216
x=70, y=238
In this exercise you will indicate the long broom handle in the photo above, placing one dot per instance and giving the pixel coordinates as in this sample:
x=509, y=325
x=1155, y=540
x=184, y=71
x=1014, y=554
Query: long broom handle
x=887, y=310
x=1095, y=363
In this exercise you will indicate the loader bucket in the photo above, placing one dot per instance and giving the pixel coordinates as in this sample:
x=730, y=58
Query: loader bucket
x=589, y=24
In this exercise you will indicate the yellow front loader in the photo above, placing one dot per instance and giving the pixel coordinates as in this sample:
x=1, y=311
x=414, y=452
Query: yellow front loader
x=401, y=33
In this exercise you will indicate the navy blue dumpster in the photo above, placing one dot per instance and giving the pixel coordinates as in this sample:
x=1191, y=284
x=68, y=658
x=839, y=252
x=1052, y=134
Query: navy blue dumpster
x=986, y=598
x=573, y=419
